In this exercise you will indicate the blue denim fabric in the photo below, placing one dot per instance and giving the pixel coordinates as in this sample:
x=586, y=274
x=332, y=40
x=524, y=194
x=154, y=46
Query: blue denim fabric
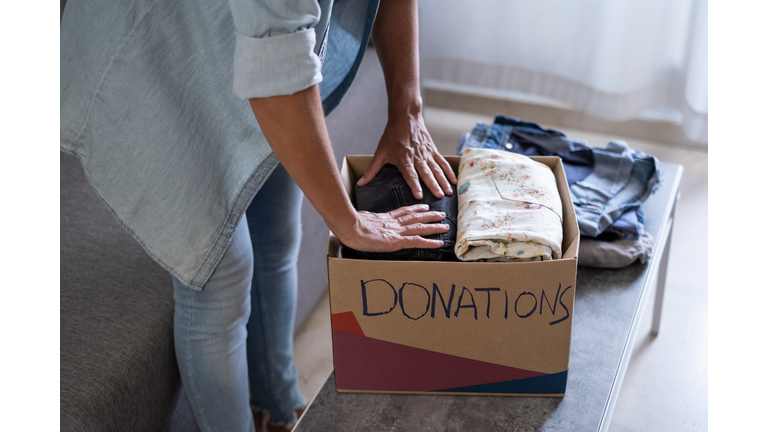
x=274, y=223
x=236, y=334
x=622, y=243
x=210, y=340
x=622, y=179
x=629, y=226
x=530, y=139
x=389, y=191
x=617, y=181
x=147, y=105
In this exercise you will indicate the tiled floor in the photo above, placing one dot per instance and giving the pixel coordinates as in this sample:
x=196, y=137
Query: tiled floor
x=665, y=388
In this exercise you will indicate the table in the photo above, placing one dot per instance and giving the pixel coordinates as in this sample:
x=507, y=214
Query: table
x=608, y=309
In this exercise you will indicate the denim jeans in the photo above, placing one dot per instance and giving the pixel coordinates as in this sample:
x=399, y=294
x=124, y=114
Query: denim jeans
x=622, y=179
x=530, y=139
x=389, y=191
x=629, y=226
x=274, y=223
x=604, y=182
x=234, y=337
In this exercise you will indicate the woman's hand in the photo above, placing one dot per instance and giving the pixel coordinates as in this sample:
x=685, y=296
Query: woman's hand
x=395, y=230
x=407, y=145
x=405, y=142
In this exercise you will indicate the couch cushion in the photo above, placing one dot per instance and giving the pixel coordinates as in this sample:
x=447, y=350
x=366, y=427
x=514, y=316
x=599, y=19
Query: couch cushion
x=117, y=365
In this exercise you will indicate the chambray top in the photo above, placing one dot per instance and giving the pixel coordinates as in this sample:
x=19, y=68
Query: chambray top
x=153, y=103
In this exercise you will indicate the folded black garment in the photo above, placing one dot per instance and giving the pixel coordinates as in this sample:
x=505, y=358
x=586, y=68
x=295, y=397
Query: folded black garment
x=389, y=191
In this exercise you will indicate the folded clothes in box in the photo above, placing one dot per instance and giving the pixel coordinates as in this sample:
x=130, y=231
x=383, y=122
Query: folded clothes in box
x=509, y=208
x=389, y=191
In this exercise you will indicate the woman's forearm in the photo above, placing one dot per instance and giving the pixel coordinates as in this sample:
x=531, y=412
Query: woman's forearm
x=294, y=126
x=405, y=142
x=396, y=38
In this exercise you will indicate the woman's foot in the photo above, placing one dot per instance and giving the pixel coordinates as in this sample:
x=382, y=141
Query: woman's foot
x=258, y=419
x=274, y=428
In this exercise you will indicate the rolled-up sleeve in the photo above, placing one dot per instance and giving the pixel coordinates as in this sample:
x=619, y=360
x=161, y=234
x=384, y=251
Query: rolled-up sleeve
x=274, y=47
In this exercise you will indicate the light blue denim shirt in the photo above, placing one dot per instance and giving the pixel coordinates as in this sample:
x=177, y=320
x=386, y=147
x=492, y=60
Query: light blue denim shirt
x=153, y=103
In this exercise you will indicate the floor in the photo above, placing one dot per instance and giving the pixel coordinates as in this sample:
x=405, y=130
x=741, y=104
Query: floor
x=665, y=388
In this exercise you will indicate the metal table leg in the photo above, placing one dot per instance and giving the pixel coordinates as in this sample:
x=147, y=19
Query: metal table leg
x=662, y=275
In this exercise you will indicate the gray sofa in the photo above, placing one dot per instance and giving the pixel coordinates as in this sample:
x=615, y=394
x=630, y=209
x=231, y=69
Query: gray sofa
x=117, y=365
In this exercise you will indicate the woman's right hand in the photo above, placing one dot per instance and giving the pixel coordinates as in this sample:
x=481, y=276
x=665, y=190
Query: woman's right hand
x=399, y=229
x=294, y=126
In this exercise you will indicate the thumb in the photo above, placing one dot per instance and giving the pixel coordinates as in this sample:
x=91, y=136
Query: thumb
x=370, y=173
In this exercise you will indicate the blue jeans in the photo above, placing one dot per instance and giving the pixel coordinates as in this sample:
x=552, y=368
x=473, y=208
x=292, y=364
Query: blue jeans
x=530, y=139
x=623, y=178
x=235, y=337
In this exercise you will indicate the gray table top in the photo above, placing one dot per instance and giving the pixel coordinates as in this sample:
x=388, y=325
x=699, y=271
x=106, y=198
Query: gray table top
x=607, y=306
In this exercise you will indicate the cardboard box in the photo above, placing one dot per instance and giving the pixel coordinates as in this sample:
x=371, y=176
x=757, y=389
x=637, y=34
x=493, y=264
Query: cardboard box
x=453, y=327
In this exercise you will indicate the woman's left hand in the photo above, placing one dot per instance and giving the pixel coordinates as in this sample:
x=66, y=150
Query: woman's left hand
x=407, y=145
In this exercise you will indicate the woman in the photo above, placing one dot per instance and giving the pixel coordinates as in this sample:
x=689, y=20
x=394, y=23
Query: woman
x=211, y=185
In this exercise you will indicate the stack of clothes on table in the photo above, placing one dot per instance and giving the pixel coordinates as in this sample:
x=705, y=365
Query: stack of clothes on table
x=607, y=186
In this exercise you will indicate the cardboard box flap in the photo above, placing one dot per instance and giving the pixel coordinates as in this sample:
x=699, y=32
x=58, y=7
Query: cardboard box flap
x=334, y=246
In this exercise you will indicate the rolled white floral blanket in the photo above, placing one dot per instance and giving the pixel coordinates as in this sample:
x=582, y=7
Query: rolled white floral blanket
x=509, y=208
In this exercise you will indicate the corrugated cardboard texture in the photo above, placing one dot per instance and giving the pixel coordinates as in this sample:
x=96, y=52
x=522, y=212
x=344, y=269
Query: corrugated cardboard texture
x=514, y=316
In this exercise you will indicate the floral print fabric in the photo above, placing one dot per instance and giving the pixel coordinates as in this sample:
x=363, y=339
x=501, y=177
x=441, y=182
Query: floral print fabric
x=509, y=208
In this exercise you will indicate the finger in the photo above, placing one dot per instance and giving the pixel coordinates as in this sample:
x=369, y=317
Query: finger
x=410, y=242
x=425, y=172
x=370, y=173
x=412, y=178
x=422, y=217
x=437, y=172
x=408, y=210
x=425, y=229
x=446, y=167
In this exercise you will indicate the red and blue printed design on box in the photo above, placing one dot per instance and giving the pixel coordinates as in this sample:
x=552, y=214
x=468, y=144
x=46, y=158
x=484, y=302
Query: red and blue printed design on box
x=367, y=364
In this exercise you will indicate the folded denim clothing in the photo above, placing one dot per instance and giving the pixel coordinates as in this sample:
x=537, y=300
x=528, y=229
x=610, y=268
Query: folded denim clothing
x=623, y=178
x=530, y=139
x=629, y=226
x=616, y=253
x=509, y=208
x=618, y=179
x=389, y=191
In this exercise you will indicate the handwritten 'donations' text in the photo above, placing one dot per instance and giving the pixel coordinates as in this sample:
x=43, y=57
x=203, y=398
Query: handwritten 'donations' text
x=414, y=301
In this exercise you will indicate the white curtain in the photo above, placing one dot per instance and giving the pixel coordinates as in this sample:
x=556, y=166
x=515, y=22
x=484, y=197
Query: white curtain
x=612, y=59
